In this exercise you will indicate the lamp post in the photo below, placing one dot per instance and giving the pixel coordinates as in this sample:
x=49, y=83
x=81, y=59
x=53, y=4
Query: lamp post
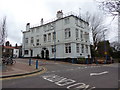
x=119, y=26
x=23, y=43
x=105, y=51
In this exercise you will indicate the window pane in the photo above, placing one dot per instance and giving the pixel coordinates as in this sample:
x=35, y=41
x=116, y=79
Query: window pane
x=49, y=37
x=68, y=48
x=82, y=48
x=77, y=33
x=26, y=40
x=54, y=35
x=45, y=38
x=67, y=33
x=86, y=49
x=32, y=40
x=77, y=48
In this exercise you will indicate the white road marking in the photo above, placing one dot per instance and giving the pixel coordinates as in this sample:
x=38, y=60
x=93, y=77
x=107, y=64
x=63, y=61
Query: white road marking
x=61, y=81
x=91, y=74
x=75, y=85
x=65, y=81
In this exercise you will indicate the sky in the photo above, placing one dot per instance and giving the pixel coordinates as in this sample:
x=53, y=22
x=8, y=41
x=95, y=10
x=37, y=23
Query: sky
x=20, y=12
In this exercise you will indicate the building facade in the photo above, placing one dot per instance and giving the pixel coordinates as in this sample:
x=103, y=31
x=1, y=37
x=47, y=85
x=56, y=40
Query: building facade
x=65, y=37
x=8, y=50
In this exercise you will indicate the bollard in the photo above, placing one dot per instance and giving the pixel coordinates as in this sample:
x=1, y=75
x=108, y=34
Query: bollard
x=96, y=62
x=36, y=64
x=86, y=61
x=30, y=62
x=105, y=62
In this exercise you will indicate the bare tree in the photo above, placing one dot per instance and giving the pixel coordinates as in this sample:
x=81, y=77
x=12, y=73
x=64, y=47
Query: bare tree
x=112, y=7
x=3, y=31
x=96, y=26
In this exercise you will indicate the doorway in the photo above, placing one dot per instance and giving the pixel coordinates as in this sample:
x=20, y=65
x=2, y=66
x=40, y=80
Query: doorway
x=31, y=53
x=47, y=54
x=42, y=54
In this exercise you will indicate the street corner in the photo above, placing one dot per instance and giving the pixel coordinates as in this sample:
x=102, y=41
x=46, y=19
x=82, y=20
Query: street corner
x=38, y=71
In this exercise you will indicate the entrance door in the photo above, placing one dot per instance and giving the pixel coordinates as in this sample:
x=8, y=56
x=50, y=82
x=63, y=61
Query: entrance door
x=42, y=54
x=47, y=54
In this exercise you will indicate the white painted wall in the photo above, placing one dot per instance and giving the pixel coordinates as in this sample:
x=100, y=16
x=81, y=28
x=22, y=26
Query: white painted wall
x=60, y=27
x=16, y=52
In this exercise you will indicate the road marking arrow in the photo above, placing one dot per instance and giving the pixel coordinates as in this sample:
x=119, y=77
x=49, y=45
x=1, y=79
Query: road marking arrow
x=92, y=74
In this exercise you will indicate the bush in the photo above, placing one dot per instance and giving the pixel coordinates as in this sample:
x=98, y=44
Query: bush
x=81, y=60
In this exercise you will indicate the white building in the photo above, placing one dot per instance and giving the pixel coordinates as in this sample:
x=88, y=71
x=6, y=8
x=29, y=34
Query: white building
x=65, y=37
x=15, y=52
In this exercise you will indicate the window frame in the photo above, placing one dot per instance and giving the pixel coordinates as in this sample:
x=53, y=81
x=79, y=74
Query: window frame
x=32, y=39
x=26, y=40
x=45, y=38
x=81, y=35
x=49, y=37
x=67, y=47
x=77, y=48
x=77, y=33
x=67, y=32
x=86, y=48
x=37, y=42
x=82, y=48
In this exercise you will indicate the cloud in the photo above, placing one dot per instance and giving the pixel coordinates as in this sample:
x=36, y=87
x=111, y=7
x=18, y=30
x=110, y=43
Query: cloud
x=20, y=12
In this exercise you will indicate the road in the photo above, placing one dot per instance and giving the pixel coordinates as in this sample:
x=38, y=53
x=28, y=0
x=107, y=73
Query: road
x=66, y=75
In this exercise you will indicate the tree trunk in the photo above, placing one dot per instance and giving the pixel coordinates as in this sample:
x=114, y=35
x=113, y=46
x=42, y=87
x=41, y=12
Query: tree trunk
x=118, y=27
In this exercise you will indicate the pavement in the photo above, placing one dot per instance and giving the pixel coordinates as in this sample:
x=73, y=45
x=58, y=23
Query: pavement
x=23, y=68
x=18, y=69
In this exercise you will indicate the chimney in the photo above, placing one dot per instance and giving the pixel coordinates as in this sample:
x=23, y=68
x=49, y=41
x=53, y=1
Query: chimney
x=27, y=26
x=41, y=21
x=7, y=43
x=59, y=14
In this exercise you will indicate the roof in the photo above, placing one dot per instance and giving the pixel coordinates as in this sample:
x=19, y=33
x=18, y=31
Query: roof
x=9, y=47
x=56, y=19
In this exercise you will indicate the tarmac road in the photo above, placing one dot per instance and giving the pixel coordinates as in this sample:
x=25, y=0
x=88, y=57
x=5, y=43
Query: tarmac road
x=64, y=75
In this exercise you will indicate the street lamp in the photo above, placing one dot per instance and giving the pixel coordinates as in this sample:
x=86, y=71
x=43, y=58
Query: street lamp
x=105, y=51
x=23, y=45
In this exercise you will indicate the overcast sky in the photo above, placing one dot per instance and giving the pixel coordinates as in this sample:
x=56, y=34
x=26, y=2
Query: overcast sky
x=20, y=12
